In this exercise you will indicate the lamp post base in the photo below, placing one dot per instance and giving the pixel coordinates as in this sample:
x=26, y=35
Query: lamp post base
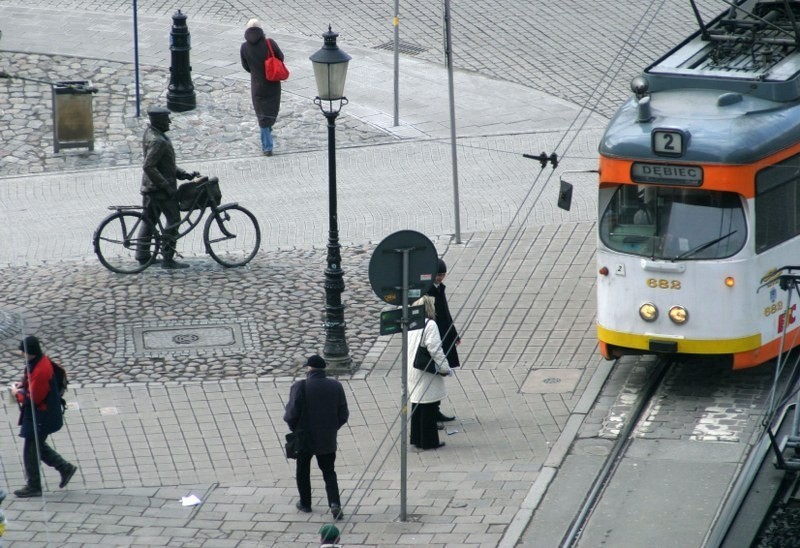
x=340, y=364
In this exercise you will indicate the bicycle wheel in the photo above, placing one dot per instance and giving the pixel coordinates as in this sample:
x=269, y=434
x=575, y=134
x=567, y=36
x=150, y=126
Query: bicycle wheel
x=232, y=235
x=116, y=241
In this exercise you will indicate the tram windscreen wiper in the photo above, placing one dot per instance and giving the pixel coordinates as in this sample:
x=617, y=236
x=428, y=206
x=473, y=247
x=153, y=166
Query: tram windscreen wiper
x=706, y=245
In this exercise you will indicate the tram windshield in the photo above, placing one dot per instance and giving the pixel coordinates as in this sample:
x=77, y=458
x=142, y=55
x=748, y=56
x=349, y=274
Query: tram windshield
x=673, y=223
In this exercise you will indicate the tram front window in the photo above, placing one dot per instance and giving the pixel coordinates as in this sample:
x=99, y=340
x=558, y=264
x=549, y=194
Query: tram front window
x=673, y=223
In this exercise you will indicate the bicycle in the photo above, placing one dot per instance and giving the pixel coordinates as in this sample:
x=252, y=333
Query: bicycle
x=231, y=234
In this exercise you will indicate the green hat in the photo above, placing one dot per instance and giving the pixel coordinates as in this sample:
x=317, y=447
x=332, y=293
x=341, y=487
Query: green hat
x=329, y=533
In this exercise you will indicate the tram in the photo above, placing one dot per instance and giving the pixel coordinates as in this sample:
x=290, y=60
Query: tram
x=699, y=194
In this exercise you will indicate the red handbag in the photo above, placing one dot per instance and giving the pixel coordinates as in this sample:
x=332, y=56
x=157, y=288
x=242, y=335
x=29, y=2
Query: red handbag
x=274, y=69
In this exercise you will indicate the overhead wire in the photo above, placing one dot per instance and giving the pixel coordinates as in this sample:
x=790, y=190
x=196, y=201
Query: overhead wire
x=609, y=78
x=491, y=274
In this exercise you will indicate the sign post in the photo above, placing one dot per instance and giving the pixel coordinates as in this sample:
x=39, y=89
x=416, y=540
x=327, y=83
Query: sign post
x=401, y=270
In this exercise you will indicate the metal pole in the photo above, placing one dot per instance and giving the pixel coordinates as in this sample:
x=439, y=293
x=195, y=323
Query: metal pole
x=396, y=23
x=335, y=351
x=136, y=56
x=448, y=52
x=404, y=393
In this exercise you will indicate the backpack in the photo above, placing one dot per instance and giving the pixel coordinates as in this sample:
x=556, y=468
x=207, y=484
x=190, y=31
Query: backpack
x=61, y=382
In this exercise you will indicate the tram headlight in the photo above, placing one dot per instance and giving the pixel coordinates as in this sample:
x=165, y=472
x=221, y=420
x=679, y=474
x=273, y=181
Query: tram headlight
x=678, y=314
x=648, y=312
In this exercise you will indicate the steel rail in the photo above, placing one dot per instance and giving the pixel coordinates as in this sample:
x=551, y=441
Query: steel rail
x=721, y=534
x=614, y=457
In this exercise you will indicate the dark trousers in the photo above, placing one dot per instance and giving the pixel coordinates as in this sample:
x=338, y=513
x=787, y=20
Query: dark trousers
x=30, y=457
x=424, y=432
x=326, y=465
x=156, y=203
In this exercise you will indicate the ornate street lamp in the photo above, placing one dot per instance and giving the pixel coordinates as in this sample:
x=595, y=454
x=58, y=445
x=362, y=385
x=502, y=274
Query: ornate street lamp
x=330, y=71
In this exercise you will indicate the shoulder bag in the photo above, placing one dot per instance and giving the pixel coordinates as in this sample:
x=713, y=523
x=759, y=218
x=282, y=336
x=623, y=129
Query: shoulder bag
x=423, y=359
x=296, y=442
x=274, y=69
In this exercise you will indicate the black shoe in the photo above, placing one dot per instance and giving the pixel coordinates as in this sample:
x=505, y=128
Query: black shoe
x=441, y=444
x=336, y=511
x=444, y=418
x=303, y=508
x=28, y=492
x=145, y=261
x=440, y=426
x=66, y=474
x=172, y=264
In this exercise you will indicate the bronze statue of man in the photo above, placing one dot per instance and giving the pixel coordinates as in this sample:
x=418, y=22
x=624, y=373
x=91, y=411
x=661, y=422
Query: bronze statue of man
x=160, y=186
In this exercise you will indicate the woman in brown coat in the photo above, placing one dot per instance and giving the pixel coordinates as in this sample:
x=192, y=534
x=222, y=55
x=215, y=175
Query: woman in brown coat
x=266, y=95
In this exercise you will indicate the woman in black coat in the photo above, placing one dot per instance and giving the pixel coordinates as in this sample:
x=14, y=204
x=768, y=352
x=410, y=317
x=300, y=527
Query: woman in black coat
x=447, y=329
x=266, y=95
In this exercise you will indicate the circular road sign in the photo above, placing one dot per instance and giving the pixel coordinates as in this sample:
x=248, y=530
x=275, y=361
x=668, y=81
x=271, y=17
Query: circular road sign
x=386, y=266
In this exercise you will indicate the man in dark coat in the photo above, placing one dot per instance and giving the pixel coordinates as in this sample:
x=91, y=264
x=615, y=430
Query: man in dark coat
x=322, y=402
x=160, y=187
x=444, y=321
x=40, y=416
x=266, y=95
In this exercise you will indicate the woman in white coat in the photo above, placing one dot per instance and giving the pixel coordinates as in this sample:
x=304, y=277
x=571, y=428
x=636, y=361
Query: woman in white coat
x=426, y=390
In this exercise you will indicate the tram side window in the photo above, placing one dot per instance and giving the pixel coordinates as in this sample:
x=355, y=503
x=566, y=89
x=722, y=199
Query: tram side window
x=777, y=203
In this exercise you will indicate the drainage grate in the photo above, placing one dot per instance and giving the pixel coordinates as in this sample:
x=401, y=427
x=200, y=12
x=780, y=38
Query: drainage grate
x=10, y=324
x=403, y=47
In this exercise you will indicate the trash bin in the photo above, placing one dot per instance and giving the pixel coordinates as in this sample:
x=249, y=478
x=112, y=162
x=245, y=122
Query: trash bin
x=73, y=124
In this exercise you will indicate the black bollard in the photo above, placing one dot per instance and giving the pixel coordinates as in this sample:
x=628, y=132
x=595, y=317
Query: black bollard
x=180, y=94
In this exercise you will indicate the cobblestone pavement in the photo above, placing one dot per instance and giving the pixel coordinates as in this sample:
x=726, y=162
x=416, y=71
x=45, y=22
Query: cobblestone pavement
x=221, y=127
x=570, y=50
x=284, y=287
x=501, y=33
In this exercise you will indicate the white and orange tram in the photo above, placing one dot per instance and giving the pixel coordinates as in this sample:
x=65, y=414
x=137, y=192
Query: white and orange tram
x=699, y=196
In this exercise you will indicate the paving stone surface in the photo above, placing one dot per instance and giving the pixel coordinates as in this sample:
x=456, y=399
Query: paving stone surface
x=150, y=421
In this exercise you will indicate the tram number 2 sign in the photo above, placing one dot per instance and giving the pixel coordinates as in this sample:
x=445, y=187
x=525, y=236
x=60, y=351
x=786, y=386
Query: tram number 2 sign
x=668, y=142
x=661, y=283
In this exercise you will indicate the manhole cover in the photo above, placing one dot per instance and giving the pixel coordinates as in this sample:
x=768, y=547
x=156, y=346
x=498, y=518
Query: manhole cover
x=222, y=337
x=210, y=336
x=159, y=339
x=551, y=381
x=403, y=47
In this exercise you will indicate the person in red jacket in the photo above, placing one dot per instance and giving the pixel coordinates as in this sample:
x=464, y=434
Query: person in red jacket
x=266, y=95
x=40, y=416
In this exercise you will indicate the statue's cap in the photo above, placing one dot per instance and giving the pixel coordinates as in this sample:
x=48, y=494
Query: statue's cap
x=158, y=112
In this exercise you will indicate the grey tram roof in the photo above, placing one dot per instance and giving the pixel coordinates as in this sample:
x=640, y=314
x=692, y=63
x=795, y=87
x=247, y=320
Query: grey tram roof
x=733, y=86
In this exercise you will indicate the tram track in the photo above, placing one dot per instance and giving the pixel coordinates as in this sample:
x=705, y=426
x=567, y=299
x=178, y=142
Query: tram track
x=755, y=494
x=767, y=490
x=616, y=453
x=670, y=453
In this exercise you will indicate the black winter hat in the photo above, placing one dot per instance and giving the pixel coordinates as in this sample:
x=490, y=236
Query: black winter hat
x=442, y=267
x=30, y=345
x=315, y=361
